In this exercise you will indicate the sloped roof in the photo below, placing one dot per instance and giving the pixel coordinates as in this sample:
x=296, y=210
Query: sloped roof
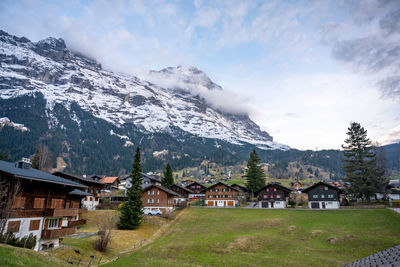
x=161, y=188
x=321, y=183
x=109, y=180
x=240, y=186
x=33, y=174
x=275, y=185
x=195, y=183
x=183, y=188
x=78, y=192
x=389, y=257
x=151, y=177
x=88, y=180
x=211, y=186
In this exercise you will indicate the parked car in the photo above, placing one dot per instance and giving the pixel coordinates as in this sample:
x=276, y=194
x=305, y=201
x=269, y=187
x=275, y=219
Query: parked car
x=150, y=212
x=156, y=212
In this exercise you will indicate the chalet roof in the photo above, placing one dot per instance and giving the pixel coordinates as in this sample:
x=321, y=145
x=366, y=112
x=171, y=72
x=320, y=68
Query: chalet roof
x=151, y=177
x=238, y=185
x=33, y=174
x=88, y=180
x=222, y=184
x=161, y=188
x=197, y=183
x=277, y=185
x=109, y=180
x=183, y=188
x=78, y=192
x=388, y=257
x=321, y=183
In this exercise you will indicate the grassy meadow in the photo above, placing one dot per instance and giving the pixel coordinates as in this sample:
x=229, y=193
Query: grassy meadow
x=257, y=237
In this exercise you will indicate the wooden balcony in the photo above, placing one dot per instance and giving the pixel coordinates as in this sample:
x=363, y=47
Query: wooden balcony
x=76, y=223
x=64, y=212
x=16, y=213
x=57, y=232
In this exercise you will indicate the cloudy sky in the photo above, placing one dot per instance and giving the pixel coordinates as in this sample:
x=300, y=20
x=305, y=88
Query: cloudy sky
x=303, y=69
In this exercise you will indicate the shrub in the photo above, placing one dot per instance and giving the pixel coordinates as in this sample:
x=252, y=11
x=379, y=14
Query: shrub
x=25, y=242
x=292, y=203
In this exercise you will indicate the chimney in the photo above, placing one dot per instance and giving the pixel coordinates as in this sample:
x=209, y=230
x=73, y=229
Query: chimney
x=24, y=163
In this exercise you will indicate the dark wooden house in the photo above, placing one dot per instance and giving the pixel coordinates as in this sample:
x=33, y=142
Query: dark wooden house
x=47, y=206
x=273, y=195
x=221, y=195
x=323, y=196
x=158, y=197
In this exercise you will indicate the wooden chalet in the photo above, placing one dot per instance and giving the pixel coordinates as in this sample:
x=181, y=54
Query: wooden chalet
x=158, y=197
x=93, y=187
x=242, y=191
x=221, y=195
x=149, y=180
x=197, y=190
x=273, y=196
x=47, y=206
x=111, y=183
x=183, y=193
x=323, y=196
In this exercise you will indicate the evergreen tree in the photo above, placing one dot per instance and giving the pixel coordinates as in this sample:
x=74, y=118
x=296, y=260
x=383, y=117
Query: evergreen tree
x=255, y=177
x=131, y=211
x=168, y=178
x=360, y=164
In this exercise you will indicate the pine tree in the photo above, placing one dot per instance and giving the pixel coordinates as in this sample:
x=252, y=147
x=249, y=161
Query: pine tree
x=360, y=165
x=131, y=212
x=255, y=177
x=168, y=178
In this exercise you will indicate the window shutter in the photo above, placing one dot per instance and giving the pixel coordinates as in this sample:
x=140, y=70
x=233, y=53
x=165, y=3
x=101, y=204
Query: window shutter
x=13, y=226
x=34, y=225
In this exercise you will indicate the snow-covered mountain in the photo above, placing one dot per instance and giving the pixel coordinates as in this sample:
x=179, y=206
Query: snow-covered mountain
x=65, y=77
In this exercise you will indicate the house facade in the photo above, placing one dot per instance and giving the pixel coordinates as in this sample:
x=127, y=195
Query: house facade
x=242, y=191
x=93, y=189
x=273, y=196
x=183, y=193
x=158, y=197
x=197, y=190
x=111, y=183
x=47, y=206
x=221, y=195
x=323, y=196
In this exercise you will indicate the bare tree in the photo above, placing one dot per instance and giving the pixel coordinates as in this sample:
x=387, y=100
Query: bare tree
x=41, y=160
x=10, y=189
x=105, y=226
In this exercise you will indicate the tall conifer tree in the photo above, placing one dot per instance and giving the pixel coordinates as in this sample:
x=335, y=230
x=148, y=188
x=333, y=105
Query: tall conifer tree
x=255, y=177
x=131, y=212
x=360, y=165
x=168, y=178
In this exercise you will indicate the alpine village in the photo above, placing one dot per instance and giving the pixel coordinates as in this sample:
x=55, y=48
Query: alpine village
x=105, y=167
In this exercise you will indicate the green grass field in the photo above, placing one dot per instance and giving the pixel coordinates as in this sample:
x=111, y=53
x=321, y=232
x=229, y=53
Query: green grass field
x=255, y=237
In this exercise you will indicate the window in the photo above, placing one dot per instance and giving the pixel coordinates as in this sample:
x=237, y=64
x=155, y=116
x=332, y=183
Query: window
x=53, y=223
x=322, y=196
x=230, y=196
x=158, y=192
x=278, y=196
x=216, y=190
x=274, y=189
x=158, y=201
x=150, y=192
x=326, y=188
x=229, y=189
x=150, y=200
x=13, y=226
x=265, y=196
x=211, y=189
x=34, y=225
x=330, y=196
x=315, y=196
